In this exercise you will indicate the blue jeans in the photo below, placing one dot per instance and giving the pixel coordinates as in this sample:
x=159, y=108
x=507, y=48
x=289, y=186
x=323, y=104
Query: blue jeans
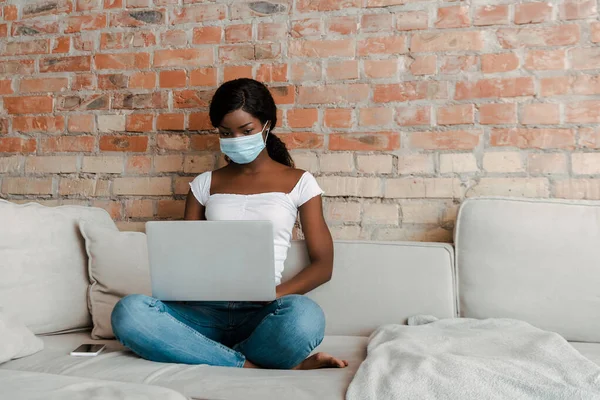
x=276, y=335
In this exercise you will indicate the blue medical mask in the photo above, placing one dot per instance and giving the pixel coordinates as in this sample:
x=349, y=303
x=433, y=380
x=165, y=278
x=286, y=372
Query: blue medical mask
x=244, y=149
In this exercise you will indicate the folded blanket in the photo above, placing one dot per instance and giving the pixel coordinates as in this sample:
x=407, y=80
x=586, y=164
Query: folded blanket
x=470, y=359
x=16, y=340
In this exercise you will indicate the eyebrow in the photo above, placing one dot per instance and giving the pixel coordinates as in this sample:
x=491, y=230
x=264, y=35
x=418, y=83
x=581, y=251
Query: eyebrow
x=241, y=127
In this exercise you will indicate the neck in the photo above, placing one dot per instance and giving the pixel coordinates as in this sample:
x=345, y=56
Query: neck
x=262, y=161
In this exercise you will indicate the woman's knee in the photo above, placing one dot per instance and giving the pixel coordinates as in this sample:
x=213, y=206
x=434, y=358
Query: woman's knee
x=306, y=316
x=128, y=312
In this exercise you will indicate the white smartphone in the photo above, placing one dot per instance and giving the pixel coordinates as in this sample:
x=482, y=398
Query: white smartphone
x=88, y=350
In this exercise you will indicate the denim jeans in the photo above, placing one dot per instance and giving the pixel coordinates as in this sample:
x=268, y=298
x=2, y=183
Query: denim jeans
x=275, y=335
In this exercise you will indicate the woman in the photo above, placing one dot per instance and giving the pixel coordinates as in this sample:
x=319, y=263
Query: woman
x=259, y=183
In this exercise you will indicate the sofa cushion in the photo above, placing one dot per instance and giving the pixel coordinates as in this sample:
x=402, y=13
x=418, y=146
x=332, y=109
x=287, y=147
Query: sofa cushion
x=16, y=340
x=376, y=283
x=199, y=381
x=43, y=264
x=117, y=266
x=533, y=260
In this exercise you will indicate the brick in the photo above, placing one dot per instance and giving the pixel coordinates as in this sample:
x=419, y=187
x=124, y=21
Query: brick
x=346, y=232
x=199, y=121
x=142, y=186
x=540, y=114
x=200, y=13
x=172, y=142
x=192, y=98
x=589, y=138
x=84, y=41
x=578, y=9
x=79, y=187
x=533, y=13
x=533, y=138
x=237, y=71
x=502, y=62
x=205, y=142
x=326, y=5
x=238, y=33
x=46, y=124
x=364, y=141
x=577, y=189
x=6, y=87
x=306, y=27
x=139, y=208
x=376, y=69
x=494, y=88
x=520, y=187
x=381, y=45
x=497, y=113
x=10, y=165
x=342, y=25
x=198, y=164
x=87, y=22
x=61, y=45
x=336, y=162
x=587, y=111
x=17, y=67
x=410, y=188
x=83, y=82
x=302, y=117
x=172, y=209
x=415, y=164
x=410, y=91
x=491, y=15
x=543, y=60
x=321, y=48
x=376, y=22
x=339, y=211
x=34, y=27
x=307, y=161
x=102, y=164
x=381, y=214
x=207, y=35
x=125, y=60
x=137, y=101
x=51, y=165
x=112, y=81
x=28, y=104
x=39, y=8
x=336, y=93
x=503, y=162
x=170, y=122
x=375, y=164
x=350, y=186
x=66, y=64
x=447, y=140
x=583, y=84
x=271, y=31
x=124, y=143
x=560, y=35
x=453, y=17
x=458, y=163
x=111, y=123
x=384, y=3
x=342, y=70
x=547, y=163
x=585, y=163
x=40, y=46
x=595, y=32
x=134, y=18
x=447, y=41
x=139, y=123
x=377, y=116
x=424, y=65
x=172, y=79
x=138, y=165
x=272, y=73
x=420, y=212
x=203, y=77
x=455, y=115
x=585, y=58
x=88, y=5
x=302, y=140
x=110, y=4
x=39, y=186
x=170, y=163
x=413, y=115
x=305, y=72
x=3, y=125
x=112, y=207
x=17, y=145
x=11, y=13
x=173, y=38
x=338, y=118
x=142, y=80
x=412, y=20
x=453, y=65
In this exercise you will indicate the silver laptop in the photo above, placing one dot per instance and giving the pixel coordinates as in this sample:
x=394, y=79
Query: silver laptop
x=211, y=260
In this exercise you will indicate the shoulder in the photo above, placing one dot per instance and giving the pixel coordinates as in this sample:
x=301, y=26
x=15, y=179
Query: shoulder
x=306, y=187
x=200, y=187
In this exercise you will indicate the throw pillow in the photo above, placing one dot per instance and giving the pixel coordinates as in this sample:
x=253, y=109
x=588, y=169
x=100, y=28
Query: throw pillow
x=16, y=340
x=117, y=266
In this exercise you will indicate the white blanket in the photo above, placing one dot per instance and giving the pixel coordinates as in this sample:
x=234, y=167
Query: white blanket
x=16, y=340
x=470, y=359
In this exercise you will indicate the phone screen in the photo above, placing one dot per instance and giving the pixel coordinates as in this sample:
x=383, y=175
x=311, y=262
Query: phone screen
x=88, y=348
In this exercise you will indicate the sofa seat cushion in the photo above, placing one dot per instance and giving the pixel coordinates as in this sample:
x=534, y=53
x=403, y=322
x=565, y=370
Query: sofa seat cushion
x=198, y=381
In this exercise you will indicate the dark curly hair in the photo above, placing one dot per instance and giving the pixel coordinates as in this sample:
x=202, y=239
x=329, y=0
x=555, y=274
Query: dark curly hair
x=254, y=98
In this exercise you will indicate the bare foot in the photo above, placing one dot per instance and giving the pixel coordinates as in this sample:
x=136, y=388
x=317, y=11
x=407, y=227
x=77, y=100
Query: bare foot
x=321, y=360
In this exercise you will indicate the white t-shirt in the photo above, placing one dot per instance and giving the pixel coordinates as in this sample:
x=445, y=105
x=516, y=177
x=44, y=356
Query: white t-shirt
x=278, y=207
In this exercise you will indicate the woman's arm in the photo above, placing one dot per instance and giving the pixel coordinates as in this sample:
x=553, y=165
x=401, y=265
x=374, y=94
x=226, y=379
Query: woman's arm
x=320, y=250
x=194, y=211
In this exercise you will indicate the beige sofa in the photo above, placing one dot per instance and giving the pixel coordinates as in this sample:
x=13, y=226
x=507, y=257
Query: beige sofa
x=534, y=260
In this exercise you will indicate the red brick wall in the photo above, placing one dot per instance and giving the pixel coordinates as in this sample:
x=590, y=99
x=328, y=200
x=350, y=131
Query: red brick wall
x=401, y=107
